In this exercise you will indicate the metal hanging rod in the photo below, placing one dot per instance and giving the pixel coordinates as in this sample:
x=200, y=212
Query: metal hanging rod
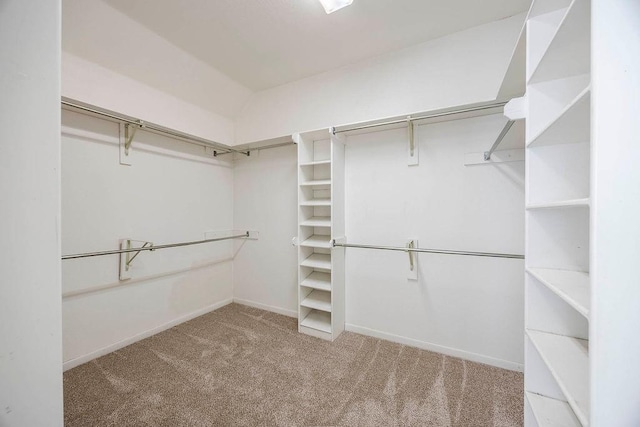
x=153, y=248
x=422, y=117
x=429, y=251
x=503, y=133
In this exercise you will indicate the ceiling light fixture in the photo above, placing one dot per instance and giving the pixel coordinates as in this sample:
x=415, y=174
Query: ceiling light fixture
x=333, y=5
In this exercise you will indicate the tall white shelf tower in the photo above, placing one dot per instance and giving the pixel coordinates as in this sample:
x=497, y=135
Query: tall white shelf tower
x=573, y=336
x=321, y=293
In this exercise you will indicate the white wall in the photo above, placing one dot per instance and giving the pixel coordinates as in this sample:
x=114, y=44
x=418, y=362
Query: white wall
x=461, y=68
x=466, y=306
x=91, y=83
x=30, y=341
x=171, y=193
x=265, y=199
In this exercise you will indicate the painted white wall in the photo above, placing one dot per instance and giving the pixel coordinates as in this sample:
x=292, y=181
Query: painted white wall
x=171, y=193
x=461, y=68
x=30, y=329
x=91, y=83
x=99, y=33
x=265, y=199
x=466, y=306
x=614, y=349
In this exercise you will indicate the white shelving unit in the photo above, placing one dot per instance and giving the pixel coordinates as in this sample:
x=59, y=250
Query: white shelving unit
x=321, y=294
x=558, y=188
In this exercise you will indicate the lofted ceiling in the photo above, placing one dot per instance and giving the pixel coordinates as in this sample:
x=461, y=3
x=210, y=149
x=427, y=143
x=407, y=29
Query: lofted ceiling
x=266, y=43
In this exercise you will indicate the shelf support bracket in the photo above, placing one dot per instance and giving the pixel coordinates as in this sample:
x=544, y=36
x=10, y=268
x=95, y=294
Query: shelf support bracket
x=413, y=149
x=127, y=258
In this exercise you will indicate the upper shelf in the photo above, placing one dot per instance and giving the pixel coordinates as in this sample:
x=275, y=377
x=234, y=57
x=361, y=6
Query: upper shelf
x=569, y=51
x=514, y=80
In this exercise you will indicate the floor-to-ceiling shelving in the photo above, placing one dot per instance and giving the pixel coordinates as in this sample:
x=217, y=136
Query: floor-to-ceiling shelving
x=558, y=289
x=320, y=220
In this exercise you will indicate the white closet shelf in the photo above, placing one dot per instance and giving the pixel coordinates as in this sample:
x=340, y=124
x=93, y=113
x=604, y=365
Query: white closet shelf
x=318, y=300
x=568, y=361
x=570, y=126
x=318, y=320
x=317, y=202
x=317, y=280
x=569, y=52
x=571, y=286
x=317, y=241
x=322, y=261
x=513, y=82
x=560, y=204
x=317, y=221
x=551, y=412
x=321, y=183
x=316, y=163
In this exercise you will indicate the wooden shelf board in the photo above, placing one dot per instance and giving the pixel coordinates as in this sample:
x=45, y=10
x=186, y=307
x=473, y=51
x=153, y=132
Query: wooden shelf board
x=316, y=163
x=317, y=183
x=317, y=221
x=571, y=286
x=316, y=202
x=318, y=280
x=568, y=361
x=322, y=261
x=561, y=204
x=318, y=300
x=514, y=80
x=317, y=241
x=318, y=320
x=570, y=126
x=550, y=412
x=569, y=52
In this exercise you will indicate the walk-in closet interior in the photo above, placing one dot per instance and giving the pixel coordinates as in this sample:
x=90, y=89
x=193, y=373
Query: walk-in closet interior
x=320, y=213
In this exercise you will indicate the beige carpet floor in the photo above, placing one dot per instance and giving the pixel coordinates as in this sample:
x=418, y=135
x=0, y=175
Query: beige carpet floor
x=240, y=366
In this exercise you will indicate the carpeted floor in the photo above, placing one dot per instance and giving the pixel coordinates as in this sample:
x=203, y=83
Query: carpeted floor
x=239, y=366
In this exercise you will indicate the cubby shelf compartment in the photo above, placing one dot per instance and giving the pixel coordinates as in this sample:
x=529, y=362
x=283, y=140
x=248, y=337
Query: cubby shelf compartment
x=568, y=361
x=569, y=52
x=316, y=202
x=318, y=300
x=561, y=204
x=550, y=412
x=317, y=280
x=571, y=286
x=316, y=163
x=571, y=125
x=317, y=241
x=317, y=221
x=321, y=261
x=318, y=320
x=318, y=183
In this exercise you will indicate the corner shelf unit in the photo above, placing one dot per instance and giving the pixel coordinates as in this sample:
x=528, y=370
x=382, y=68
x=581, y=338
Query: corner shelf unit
x=558, y=179
x=321, y=294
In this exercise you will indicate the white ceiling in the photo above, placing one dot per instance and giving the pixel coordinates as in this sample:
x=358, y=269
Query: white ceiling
x=266, y=43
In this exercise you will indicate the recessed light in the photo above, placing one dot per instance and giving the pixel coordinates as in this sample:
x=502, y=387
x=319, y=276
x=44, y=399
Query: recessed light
x=333, y=5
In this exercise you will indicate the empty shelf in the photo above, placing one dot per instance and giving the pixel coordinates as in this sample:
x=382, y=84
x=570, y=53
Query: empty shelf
x=317, y=241
x=570, y=126
x=322, y=261
x=551, y=412
x=316, y=163
x=318, y=320
x=319, y=300
x=573, y=203
x=317, y=221
x=326, y=183
x=568, y=361
x=316, y=202
x=572, y=286
x=317, y=280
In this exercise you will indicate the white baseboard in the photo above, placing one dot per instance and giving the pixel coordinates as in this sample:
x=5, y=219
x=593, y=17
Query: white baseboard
x=474, y=357
x=146, y=334
x=278, y=310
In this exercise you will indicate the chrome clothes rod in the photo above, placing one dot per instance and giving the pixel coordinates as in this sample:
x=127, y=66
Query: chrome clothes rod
x=420, y=117
x=153, y=248
x=429, y=251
